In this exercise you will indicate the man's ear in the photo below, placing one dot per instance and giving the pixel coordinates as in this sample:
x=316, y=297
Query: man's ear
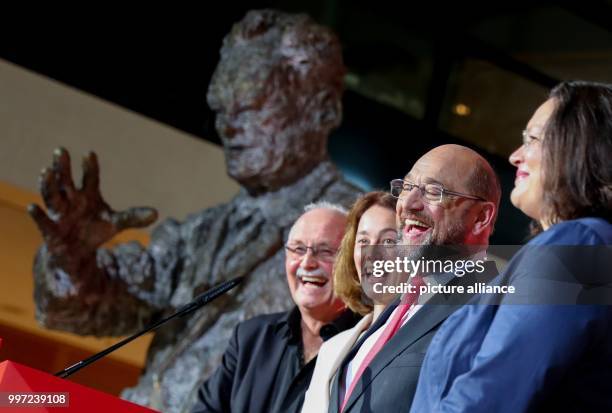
x=484, y=219
x=326, y=108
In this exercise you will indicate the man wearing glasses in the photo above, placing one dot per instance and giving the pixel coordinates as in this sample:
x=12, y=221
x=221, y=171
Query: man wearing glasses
x=270, y=359
x=450, y=197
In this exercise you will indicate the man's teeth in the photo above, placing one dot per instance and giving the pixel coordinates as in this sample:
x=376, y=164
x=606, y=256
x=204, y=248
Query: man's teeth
x=316, y=280
x=415, y=222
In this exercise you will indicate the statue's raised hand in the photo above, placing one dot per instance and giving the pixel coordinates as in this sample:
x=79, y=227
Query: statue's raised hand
x=78, y=220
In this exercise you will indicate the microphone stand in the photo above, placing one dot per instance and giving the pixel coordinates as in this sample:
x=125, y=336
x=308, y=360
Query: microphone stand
x=187, y=309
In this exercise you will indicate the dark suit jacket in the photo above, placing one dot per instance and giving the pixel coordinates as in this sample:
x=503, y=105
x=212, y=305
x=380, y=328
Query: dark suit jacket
x=261, y=370
x=389, y=383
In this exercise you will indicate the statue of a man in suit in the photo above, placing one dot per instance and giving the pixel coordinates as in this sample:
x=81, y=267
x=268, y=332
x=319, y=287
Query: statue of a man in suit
x=277, y=95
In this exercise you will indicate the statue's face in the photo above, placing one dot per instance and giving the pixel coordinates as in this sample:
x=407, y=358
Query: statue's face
x=257, y=134
x=262, y=121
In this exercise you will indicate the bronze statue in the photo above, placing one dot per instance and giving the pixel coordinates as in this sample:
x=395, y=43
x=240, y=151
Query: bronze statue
x=277, y=95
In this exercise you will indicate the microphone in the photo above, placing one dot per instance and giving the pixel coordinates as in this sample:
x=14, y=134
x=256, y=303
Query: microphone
x=198, y=302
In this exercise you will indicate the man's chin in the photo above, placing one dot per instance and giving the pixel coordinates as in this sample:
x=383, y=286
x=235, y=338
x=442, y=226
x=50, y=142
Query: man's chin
x=237, y=168
x=247, y=177
x=425, y=238
x=312, y=300
x=244, y=168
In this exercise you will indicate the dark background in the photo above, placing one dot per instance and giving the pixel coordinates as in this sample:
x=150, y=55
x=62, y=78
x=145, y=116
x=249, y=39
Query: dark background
x=419, y=75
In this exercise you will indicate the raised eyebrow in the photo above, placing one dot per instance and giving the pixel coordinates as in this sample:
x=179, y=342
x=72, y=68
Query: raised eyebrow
x=383, y=231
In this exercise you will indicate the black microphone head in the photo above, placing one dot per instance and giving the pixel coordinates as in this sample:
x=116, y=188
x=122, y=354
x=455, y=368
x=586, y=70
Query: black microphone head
x=218, y=290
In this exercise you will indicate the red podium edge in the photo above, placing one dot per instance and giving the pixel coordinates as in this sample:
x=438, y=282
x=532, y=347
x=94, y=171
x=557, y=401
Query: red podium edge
x=15, y=377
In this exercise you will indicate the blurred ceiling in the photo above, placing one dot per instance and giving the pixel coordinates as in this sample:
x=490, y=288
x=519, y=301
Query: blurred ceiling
x=419, y=75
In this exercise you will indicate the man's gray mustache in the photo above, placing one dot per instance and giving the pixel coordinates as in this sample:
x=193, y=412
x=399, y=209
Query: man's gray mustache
x=314, y=273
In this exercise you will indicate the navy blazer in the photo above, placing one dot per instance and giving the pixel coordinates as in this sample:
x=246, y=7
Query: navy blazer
x=528, y=357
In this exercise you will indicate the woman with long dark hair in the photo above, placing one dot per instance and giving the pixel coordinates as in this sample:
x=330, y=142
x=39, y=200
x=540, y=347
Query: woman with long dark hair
x=537, y=356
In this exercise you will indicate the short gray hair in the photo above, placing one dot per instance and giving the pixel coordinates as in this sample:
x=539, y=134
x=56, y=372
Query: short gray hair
x=321, y=205
x=326, y=205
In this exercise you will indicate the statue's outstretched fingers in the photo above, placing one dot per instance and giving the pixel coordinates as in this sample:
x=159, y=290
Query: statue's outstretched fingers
x=63, y=170
x=50, y=191
x=45, y=225
x=91, y=174
x=138, y=217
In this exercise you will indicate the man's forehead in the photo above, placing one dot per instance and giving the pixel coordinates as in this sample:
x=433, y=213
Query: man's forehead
x=322, y=235
x=318, y=226
x=242, y=74
x=428, y=170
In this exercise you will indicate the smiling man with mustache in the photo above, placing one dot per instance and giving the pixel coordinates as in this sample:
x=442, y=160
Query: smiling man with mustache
x=450, y=197
x=270, y=359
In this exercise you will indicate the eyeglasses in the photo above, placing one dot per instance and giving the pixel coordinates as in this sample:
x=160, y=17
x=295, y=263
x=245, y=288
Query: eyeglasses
x=529, y=138
x=322, y=252
x=432, y=193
